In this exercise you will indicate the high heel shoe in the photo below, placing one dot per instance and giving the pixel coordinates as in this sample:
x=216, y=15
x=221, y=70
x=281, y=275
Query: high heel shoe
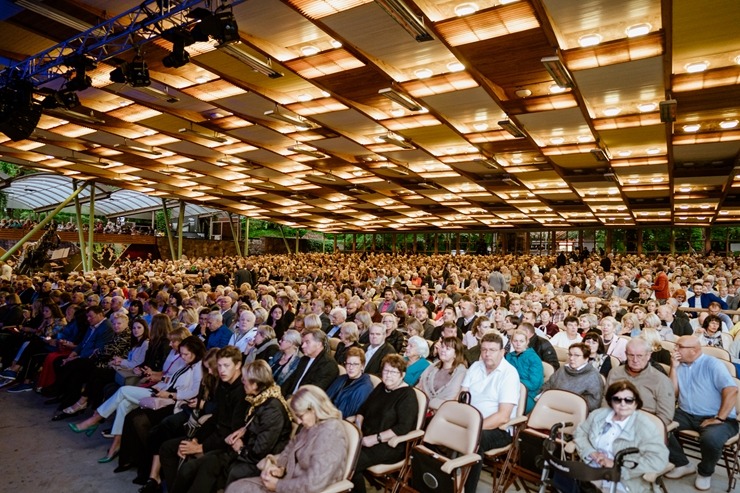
x=108, y=458
x=87, y=431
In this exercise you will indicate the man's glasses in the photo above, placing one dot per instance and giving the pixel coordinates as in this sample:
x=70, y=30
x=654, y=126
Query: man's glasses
x=624, y=400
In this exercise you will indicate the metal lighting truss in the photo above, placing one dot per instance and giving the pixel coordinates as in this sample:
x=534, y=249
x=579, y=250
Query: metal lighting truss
x=108, y=39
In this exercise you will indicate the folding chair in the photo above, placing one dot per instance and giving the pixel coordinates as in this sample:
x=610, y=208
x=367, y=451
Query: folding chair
x=552, y=407
x=498, y=458
x=447, y=452
x=354, y=445
x=388, y=474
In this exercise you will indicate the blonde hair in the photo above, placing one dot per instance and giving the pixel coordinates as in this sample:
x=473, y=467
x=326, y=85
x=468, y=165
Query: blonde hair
x=312, y=398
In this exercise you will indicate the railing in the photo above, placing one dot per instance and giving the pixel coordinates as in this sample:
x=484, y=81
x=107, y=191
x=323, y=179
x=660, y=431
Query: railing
x=72, y=237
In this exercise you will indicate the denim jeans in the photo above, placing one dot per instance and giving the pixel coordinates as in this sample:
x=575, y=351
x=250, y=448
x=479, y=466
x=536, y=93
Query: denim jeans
x=711, y=441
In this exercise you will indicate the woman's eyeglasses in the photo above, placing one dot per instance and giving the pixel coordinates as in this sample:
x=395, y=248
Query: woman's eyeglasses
x=625, y=400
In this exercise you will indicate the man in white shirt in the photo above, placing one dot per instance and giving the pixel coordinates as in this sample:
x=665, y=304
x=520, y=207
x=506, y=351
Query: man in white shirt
x=568, y=336
x=494, y=390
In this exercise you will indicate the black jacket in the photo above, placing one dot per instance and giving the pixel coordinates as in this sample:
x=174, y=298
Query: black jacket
x=544, y=350
x=322, y=373
x=228, y=416
x=373, y=365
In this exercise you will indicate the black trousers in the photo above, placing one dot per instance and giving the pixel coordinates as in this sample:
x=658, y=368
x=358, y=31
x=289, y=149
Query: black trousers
x=136, y=428
x=71, y=378
x=370, y=456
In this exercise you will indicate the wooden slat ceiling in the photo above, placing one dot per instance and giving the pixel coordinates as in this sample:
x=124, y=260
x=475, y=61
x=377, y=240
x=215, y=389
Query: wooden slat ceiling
x=456, y=167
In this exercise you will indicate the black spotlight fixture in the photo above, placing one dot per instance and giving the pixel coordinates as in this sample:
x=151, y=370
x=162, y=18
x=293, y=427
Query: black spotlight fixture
x=220, y=26
x=135, y=73
x=80, y=80
x=19, y=113
x=61, y=99
x=180, y=38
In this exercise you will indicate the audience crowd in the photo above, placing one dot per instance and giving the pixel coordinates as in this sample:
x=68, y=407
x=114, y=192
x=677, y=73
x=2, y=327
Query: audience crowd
x=205, y=362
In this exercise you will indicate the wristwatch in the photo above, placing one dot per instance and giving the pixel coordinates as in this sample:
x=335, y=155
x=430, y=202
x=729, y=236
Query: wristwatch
x=720, y=419
x=378, y=438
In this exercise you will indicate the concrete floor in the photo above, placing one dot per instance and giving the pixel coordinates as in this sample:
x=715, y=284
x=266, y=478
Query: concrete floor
x=38, y=455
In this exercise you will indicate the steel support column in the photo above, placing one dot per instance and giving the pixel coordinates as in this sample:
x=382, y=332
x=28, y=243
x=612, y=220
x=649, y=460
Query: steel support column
x=80, y=232
x=167, y=229
x=234, y=235
x=246, y=239
x=180, y=221
x=91, y=229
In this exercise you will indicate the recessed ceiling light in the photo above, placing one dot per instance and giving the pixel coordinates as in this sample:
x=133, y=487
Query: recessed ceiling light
x=585, y=138
x=662, y=213
x=625, y=153
x=523, y=93
x=423, y=73
x=724, y=213
x=397, y=112
x=556, y=89
x=638, y=30
x=517, y=160
x=646, y=107
x=465, y=9
x=455, y=66
x=336, y=44
x=737, y=59
x=705, y=206
x=633, y=181
x=694, y=127
x=683, y=218
x=701, y=218
x=505, y=2
x=695, y=67
x=727, y=124
x=149, y=131
x=657, y=179
x=201, y=79
x=557, y=140
x=480, y=126
x=652, y=151
x=612, y=111
x=684, y=189
x=309, y=50
x=683, y=206
x=589, y=40
x=325, y=94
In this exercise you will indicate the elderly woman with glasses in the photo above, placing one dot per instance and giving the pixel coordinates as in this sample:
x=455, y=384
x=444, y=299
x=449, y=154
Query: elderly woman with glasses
x=348, y=392
x=390, y=410
x=608, y=430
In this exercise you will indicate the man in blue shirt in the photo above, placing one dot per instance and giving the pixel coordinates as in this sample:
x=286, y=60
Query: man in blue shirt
x=706, y=403
x=218, y=333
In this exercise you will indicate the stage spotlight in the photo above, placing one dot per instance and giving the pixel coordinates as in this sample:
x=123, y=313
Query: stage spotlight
x=80, y=81
x=61, y=99
x=220, y=26
x=135, y=73
x=180, y=38
x=19, y=114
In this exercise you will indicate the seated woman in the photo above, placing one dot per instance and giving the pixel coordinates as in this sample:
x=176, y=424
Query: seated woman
x=480, y=326
x=527, y=364
x=348, y=392
x=598, y=358
x=578, y=376
x=277, y=320
x=710, y=333
x=263, y=346
x=296, y=468
x=349, y=335
x=393, y=336
x=390, y=410
x=614, y=345
x=181, y=385
x=659, y=354
x=72, y=382
x=597, y=443
x=441, y=381
x=285, y=361
x=267, y=431
x=417, y=350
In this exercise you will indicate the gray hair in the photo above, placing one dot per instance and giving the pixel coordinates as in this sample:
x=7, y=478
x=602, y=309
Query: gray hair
x=422, y=347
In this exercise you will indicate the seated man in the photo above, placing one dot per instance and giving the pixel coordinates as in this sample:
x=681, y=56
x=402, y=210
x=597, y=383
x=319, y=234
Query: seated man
x=706, y=403
x=656, y=389
x=316, y=367
x=494, y=390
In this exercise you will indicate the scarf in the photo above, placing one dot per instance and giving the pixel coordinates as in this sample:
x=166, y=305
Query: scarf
x=262, y=397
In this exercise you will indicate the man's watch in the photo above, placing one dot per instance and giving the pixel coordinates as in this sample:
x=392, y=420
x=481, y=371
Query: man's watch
x=172, y=396
x=378, y=438
x=720, y=419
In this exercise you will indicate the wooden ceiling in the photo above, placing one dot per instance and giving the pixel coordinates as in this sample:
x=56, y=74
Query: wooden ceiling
x=452, y=166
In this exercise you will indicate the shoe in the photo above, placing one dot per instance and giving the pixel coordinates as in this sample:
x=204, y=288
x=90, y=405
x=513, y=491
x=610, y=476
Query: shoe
x=141, y=480
x=38, y=390
x=123, y=468
x=151, y=486
x=54, y=400
x=9, y=374
x=75, y=408
x=107, y=433
x=682, y=471
x=86, y=431
x=703, y=483
x=24, y=387
x=108, y=458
